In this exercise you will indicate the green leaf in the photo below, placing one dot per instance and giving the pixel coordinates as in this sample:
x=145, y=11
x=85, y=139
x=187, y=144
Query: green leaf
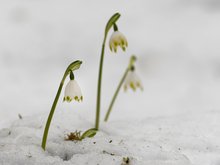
x=111, y=22
x=89, y=133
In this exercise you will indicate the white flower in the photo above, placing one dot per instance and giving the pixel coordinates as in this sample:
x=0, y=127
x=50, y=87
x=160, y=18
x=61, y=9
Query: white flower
x=133, y=81
x=117, y=39
x=72, y=91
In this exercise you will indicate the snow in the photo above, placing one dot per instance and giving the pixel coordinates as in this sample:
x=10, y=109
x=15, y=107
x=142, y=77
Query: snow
x=183, y=139
x=175, y=120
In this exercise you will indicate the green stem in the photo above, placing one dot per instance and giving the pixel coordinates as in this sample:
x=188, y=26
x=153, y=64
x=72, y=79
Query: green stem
x=98, y=103
x=43, y=145
x=115, y=95
x=110, y=23
x=130, y=65
x=73, y=66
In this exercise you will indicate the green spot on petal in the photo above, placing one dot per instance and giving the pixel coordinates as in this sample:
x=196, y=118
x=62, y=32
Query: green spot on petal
x=123, y=48
x=122, y=42
x=76, y=98
x=132, y=86
x=67, y=98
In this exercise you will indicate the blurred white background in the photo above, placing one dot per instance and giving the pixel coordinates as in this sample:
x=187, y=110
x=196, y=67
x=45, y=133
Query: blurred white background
x=176, y=41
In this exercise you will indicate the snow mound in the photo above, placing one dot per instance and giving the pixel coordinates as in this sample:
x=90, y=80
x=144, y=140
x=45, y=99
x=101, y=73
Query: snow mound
x=180, y=140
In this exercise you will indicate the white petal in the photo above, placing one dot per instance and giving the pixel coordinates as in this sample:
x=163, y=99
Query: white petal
x=117, y=39
x=133, y=81
x=73, y=90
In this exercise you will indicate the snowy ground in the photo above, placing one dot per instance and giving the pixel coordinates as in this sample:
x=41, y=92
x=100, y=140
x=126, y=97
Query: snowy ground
x=174, y=121
x=191, y=139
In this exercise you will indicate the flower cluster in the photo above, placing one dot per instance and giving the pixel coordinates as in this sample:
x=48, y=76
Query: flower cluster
x=73, y=91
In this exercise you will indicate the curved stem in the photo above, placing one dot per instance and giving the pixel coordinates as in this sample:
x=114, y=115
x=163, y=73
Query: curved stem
x=130, y=65
x=44, y=140
x=98, y=103
x=73, y=66
x=110, y=23
x=115, y=95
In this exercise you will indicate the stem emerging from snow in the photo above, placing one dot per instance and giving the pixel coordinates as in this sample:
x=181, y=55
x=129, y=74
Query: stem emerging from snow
x=131, y=63
x=73, y=66
x=116, y=94
x=110, y=23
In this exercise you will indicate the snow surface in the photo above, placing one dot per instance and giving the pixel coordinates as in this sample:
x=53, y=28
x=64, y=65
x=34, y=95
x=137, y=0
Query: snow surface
x=191, y=139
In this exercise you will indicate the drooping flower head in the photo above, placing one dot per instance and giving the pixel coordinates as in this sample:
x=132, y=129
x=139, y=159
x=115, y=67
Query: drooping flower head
x=132, y=80
x=72, y=90
x=117, y=39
